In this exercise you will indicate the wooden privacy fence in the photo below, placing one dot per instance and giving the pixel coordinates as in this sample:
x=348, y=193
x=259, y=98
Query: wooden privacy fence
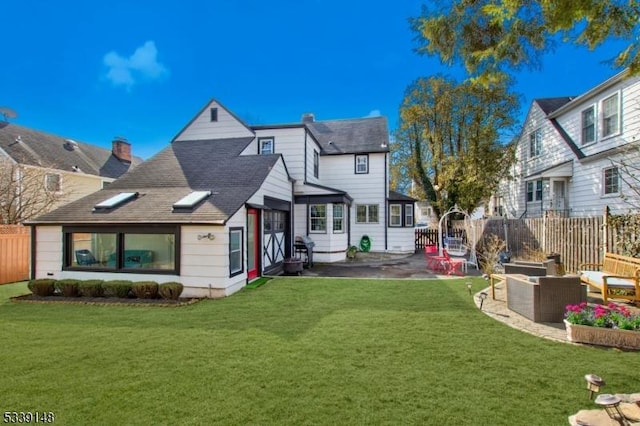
x=576, y=240
x=14, y=253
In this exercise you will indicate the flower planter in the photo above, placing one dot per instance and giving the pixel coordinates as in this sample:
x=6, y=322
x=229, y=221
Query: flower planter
x=614, y=337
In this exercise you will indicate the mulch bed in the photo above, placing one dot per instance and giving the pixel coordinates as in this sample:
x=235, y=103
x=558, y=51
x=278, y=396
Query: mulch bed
x=106, y=301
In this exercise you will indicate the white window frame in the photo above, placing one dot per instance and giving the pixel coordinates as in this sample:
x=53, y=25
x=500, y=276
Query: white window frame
x=368, y=212
x=317, y=223
x=362, y=164
x=535, y=143
x=266, y=142
x=613, y=117
x=236, y=233
x=606, y=185
x=338, y=219
x=584, y=127
x=395, y=215
x=408, y=215
x=536, y=191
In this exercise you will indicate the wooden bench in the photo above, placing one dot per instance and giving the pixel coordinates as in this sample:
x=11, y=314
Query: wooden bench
x=616, y=277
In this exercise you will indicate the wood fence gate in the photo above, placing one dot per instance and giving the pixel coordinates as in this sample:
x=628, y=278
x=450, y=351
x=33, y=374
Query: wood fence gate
x=14, y=253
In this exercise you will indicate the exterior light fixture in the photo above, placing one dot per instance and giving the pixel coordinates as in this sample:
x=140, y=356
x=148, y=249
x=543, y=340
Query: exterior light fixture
x=611, y=404
x=469, y=287
x=483, y=296
x=208, y=236
x=594, y=383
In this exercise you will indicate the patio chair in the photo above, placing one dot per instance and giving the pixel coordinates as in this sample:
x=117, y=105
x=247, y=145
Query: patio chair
x=434, y=261
x=85, y=257
x=456, y=266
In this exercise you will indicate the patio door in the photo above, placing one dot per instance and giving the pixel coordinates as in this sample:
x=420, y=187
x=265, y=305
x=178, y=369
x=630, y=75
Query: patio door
x=253, y=238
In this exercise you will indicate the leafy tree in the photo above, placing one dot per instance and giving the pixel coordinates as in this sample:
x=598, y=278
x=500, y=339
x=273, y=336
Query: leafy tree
x=489, y=37
x=449, y=140
x=24, y=193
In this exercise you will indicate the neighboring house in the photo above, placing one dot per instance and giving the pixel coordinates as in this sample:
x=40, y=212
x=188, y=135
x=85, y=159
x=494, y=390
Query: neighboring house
x=224, y=202
x=569, y=151
x=73, y=169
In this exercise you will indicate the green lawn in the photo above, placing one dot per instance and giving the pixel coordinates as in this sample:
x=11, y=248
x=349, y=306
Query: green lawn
x=296, y=351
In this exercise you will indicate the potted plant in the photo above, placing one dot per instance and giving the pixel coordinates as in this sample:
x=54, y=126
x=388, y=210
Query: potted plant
x=611, y=325
x=351, y=252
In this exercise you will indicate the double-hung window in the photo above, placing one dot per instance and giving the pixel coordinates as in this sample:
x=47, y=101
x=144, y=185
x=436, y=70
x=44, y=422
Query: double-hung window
x=338, y=218
x=235, y=251
x=588, y=125
x=535, y=143
x=367, y=213
x=362, y=164
x=395, y=215
x=408, y=215
x=318, y=218
x=610, y=116
x=611, y=178
x=534, y=191
x=266, y=145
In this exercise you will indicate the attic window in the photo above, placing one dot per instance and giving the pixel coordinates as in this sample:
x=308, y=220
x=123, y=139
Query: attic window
x=116, y=200
x=214, y=114
x=189, y=201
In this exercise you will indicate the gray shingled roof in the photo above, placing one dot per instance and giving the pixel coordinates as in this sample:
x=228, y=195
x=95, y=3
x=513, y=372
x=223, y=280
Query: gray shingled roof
x=397, y=196
x=548, y=105
x=36, y=148
x=360, y=135
x=183, y=167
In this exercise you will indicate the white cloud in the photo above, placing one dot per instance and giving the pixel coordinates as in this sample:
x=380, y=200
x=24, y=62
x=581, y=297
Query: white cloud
x=373, y=113
x=142, y=64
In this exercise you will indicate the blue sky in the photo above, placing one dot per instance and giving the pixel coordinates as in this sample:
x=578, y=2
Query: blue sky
x=142, y=69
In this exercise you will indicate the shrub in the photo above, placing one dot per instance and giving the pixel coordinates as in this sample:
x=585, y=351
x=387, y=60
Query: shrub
x=117, y=288
x=170, y=290
x=42, y=286
x=91, y=288
x=145, y=289
x=68, y=287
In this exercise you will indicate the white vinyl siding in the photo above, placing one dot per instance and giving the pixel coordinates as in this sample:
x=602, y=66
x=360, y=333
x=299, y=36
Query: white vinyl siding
x=226, y=126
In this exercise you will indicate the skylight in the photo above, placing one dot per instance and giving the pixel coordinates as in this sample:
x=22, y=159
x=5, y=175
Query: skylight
x=191, y=200
x=116, y=200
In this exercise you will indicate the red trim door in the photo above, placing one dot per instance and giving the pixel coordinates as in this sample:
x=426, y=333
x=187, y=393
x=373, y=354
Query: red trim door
x=253, y=239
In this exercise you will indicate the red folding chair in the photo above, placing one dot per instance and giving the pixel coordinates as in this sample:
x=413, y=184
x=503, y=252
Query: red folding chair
x=454, y=266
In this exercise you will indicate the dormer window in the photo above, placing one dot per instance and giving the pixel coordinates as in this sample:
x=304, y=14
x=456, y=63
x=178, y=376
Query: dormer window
x=266, y=146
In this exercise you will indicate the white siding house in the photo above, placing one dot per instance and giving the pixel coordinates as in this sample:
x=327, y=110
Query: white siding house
x=225, y=202
x=568, y=155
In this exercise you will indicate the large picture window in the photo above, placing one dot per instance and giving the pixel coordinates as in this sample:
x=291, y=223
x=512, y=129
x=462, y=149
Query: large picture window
x=367, y=213
x=139, y=249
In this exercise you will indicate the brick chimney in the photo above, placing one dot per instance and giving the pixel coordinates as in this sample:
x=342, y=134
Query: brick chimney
x=308, y=117
x=121, y=149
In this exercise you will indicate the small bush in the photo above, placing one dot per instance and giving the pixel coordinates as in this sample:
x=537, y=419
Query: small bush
x=145, y=289
x=42, y=286
x=91, y=288
x=170, y=291
x=117, y=288
x=68, y=287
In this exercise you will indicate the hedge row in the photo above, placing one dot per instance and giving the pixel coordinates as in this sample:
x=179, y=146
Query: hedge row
x=99, y=288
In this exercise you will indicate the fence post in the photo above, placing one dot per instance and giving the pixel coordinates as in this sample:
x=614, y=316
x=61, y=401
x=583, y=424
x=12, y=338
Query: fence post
x=605, y=230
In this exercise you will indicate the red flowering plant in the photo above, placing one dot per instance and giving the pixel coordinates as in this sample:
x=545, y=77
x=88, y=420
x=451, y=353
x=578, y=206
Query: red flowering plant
x=610, y=316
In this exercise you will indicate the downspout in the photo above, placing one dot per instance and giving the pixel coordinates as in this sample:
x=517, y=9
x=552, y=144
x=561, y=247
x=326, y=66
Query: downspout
x=33, y=253
x=386, y=202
